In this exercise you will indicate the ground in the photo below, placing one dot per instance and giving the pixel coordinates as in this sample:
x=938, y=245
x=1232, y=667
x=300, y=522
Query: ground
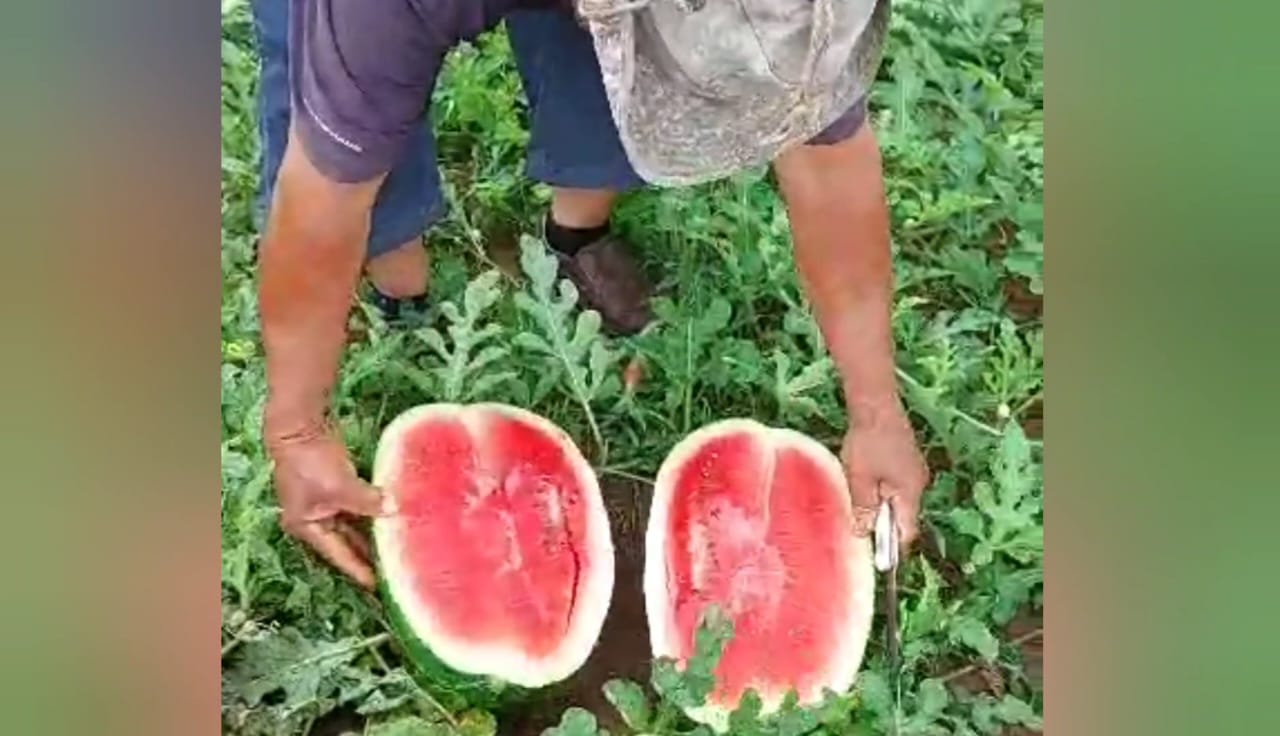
x=958, y=110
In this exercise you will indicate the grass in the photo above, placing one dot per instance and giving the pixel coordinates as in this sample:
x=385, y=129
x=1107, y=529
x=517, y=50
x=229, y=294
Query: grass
x=958, y=108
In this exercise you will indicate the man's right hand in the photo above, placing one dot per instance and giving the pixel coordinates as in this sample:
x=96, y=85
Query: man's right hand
x=309, y=265
x=321, y=498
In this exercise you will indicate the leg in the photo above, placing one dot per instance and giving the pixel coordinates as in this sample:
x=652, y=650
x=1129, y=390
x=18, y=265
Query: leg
x=574, y=143
x=400, y=273
x=409, y=201
x=574, y=147
x=581, y=208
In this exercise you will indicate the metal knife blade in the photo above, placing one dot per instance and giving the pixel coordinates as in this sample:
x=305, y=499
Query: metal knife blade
x=886, y=561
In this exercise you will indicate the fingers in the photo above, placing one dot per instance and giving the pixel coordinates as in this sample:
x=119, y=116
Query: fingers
x=336, y=547
x=865, y=492
x=355, y=537
x=906, y=511
x=361, y=499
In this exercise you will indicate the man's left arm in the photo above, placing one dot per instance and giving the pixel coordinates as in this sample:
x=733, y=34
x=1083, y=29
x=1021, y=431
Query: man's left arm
x=840, y=224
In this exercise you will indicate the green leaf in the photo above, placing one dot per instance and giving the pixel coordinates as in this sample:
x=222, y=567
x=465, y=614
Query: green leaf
x=793, y=720
x=1013, y=590
x=477, y=723
x=835, y=709
x=932, y=697
x=983, y=715
x=405, y=726
x=570, y=349
x=530, y=341
x=630, y=701
x=482, y=292
x=927, y=613
x=1012, y=468
x=714, y=632
x=745, y=719
x=967, y=521
x=576, y=722
x=690, y=686
x=586, y=330
x=985, y=498
x=795, y=393
x=874, y=693
x=309, y=675
x=974, y=634
x=1014, y=711
x=716, y=317
x=539, y=265
x=667, y=681
x=435, y=341
x=983, y=554
x=474, y=351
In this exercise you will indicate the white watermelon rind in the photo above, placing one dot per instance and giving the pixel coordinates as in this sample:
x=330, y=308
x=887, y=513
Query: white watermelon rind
x=846, y=658
x=497, y=663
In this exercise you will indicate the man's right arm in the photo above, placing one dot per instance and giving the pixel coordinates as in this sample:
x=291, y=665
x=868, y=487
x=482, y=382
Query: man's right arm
x=359, y=76
x=310, y=263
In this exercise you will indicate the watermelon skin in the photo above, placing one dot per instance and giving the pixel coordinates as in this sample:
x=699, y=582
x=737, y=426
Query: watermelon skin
x=455, y=483
x=758, y=522
x=455, y=690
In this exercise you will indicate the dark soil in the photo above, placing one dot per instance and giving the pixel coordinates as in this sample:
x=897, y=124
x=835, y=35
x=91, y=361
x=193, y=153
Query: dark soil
x=950, y=571
x=1033, y=421
x=984, y=678
x=503, y=247
x=340, y=722
x=1022, y=303
x=1032, y=649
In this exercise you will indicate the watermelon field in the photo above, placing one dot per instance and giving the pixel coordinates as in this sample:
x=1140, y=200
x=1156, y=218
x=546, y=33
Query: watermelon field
x=958, y=109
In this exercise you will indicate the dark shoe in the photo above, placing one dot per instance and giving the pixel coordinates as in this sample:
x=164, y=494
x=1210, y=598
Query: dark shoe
x=611, y=282
x=413, y=311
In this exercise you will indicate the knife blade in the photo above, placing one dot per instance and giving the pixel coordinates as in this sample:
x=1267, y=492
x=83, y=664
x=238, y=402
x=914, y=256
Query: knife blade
x=886, y=561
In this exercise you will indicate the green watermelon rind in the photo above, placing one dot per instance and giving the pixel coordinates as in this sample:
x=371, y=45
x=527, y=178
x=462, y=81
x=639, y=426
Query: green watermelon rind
x=456, y=690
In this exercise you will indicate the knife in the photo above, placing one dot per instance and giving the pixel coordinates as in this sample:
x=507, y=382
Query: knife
x=886, y=561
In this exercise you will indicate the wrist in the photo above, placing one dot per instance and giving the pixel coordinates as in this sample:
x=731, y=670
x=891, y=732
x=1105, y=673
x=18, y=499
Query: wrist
x=867, y=406
x=285, y=424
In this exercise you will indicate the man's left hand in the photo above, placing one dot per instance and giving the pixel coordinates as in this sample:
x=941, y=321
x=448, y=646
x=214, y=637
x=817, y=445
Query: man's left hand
x=883, y=461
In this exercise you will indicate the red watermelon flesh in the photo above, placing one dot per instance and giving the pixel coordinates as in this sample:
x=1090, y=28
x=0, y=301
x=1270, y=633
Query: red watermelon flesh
x=498, y=554
x=759, y=522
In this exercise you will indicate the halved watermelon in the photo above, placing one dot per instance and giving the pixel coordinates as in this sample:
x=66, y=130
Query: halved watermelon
x=497, y=566
x=758, y=521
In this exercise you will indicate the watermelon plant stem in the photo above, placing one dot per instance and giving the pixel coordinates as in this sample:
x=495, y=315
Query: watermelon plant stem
x=428, y=697
x=605, y=470
x=976, y=423
x=1016, y=641
x=688, y=372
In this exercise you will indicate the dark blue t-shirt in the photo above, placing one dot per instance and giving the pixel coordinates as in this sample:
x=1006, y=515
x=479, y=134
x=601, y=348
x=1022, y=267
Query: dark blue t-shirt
x=362, y=72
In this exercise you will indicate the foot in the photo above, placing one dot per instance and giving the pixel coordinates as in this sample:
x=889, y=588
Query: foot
x=403, y=312
x=607, y=275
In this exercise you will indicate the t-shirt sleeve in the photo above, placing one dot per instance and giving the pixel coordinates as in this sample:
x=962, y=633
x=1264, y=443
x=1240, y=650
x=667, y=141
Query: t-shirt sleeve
x=844, y=126
x=361, y=73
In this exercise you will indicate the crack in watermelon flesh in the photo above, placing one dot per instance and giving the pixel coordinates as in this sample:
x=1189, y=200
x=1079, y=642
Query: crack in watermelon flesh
x=759, y=523
x=493, y=525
